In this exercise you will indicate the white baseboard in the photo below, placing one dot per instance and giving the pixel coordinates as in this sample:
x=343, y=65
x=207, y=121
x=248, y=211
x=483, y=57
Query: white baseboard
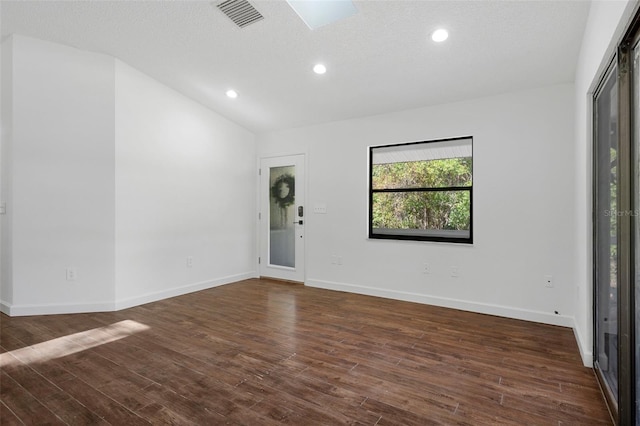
x=586, y=353
x=54, y=309
x=464, y=305
x=483, y=308
x=179, y=291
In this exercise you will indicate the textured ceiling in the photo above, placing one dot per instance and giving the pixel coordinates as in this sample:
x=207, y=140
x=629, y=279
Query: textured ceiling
x=379, y=60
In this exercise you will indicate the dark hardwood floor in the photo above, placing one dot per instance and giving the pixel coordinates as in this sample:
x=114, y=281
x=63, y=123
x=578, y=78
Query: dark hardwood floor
x=259, y=352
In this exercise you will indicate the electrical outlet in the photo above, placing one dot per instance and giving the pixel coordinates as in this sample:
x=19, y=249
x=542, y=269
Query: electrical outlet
x=189, y=262
x=426, y=268
x=339, y=260
x=455, y=272
x=548, y=281
x=72, y=274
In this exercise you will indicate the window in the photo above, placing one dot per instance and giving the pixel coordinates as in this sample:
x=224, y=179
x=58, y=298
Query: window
x=422, y=191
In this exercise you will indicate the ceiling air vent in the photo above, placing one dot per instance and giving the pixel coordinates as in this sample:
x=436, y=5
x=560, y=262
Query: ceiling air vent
x=241, y=12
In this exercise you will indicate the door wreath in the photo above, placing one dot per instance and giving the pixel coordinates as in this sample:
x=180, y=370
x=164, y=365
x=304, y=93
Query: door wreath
x=283, y=193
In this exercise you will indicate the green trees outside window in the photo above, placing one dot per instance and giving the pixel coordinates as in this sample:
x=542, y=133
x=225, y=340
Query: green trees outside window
x=422, y=191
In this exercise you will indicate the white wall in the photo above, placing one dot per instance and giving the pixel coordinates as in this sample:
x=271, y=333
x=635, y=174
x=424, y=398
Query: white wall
x=523, y=206
x=62, y=177
x=119, y=177
x=6, y=123
x=604, y=30
x=185, y=184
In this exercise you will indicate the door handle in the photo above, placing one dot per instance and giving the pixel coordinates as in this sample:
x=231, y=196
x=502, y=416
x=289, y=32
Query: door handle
x=299, y=222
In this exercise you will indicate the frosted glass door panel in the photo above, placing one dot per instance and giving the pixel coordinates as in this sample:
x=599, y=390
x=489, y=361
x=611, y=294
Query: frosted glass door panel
x=282, y=232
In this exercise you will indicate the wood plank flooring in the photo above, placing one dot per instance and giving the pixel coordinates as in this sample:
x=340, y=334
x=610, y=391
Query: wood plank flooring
x=259, y=352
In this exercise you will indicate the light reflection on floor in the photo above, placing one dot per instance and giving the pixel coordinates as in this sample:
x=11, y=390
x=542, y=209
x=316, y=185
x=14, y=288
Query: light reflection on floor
x=281, y=312
x=72, y=343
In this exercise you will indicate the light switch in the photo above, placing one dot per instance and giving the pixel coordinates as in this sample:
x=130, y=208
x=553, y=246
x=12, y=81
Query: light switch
x=320, y=208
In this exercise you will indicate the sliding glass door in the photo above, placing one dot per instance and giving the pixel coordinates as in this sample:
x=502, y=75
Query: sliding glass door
x=616, y=236
x=605, y=234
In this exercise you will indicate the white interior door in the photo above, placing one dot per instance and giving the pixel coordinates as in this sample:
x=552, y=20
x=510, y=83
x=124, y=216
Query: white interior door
x=282, y=217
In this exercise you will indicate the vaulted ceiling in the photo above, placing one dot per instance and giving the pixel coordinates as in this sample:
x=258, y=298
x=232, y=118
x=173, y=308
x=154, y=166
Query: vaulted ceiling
x=379, y=60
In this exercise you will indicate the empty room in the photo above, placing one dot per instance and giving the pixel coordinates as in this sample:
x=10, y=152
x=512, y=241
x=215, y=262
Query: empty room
x=320, y=212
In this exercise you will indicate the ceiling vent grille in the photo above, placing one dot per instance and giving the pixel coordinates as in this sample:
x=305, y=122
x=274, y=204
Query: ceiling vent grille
x=241, y=12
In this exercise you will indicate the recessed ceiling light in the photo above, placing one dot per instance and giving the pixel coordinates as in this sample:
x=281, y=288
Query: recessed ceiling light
x=319, y=69
x=440, y=35
x=232, y=93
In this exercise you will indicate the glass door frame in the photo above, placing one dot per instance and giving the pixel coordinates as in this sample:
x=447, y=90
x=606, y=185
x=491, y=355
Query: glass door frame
x=624, y=411
x=626, y=307
x=611, y=395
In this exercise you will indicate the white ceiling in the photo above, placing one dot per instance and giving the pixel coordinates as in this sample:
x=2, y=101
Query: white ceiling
x=379, y=60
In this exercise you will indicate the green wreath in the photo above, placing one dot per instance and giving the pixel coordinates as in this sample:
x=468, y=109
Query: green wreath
x=289, y=198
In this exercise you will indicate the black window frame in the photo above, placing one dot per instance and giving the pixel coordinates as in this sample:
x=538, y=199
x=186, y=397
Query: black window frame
x=414, y=237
